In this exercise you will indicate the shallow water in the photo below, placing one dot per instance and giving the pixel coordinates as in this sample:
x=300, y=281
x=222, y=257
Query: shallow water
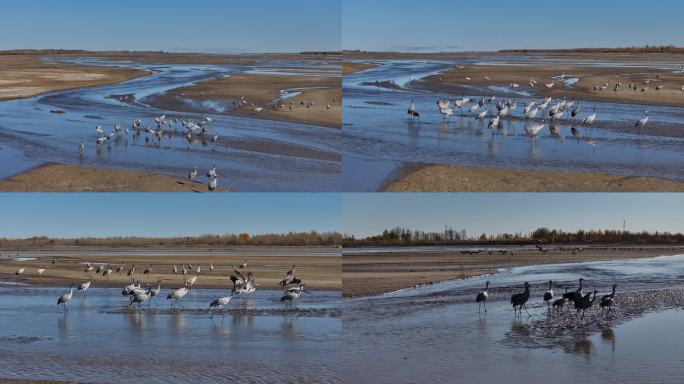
x=252, y=154
x=436, y=332
x=379, y=138
x=100, y=339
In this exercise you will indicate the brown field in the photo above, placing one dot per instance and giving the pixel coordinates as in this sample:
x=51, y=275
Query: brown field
x=452, y=178
x=316, y=272
x=27, y=75
x=263, y=90
x=71, y=178
x=376, y=273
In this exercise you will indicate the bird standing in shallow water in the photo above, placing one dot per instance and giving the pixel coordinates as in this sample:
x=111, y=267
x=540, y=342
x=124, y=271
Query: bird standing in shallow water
x=520, y=300
x=482, y=297
x=548, y=295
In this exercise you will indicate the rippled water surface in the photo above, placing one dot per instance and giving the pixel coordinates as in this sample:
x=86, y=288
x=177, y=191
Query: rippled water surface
x=100, y=339
x=435, y=332
x=379, y=138
x=252, y=154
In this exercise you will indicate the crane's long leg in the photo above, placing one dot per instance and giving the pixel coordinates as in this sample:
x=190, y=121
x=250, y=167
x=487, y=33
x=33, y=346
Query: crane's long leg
x=485, y=305
x=528, y=313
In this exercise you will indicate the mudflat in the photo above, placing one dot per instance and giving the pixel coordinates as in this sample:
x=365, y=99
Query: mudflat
x=29, y=75
x=376, y=273
x=319, y=101
x=72, y=178
x=454, y=178
x=267, y=264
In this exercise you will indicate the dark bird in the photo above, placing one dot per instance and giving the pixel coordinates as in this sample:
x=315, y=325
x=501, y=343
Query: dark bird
x=548, y=295
x=520, y=299
x=585, y=303
x=608, y=300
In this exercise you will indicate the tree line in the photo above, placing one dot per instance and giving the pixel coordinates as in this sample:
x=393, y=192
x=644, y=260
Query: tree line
x=407, y=236
x=312, y=238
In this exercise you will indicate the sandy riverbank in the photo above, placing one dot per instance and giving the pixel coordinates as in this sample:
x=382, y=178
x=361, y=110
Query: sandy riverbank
x=316, y=272
x=376, y=273
x=264, y=91
x=349, y=68
x=483, y=76
x=453, y=178
x=71, y=178
x=29, y=75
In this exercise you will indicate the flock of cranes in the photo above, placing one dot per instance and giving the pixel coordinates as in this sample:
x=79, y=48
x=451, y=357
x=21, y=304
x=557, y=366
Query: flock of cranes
x=194, y=131
x=546, y=109
x=243, y=284
x=581, y=301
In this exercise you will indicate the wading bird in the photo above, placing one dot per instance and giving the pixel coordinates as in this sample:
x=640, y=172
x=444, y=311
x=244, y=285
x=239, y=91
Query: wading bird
x=548, y=295
x=482, y=297
x=84, y=287
x=412, y=112
x=176, y=295
x=40, y=272
x=66, y=297
x=608, y=300
x=291, y=294
x=642, y=122
x=520, y=300
x=585, y=303
x=219, y=303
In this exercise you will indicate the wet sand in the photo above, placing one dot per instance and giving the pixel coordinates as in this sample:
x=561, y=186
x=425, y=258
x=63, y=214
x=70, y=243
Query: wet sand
x=263, y=91
x=454, y=81
x=28, y=75
x=453, y=178
x=316, y=272
x=376, y=273
x=71, y=178
x=349, y=68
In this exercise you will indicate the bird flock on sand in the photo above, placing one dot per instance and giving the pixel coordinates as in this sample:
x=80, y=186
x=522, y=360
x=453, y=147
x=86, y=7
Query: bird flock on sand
x=192, y=132
x=142, y=296
x=580, y=300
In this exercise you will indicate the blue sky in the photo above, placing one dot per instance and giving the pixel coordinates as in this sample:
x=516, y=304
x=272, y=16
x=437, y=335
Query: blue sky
x=432, y=25
x=369, y=214
x=160, y=214
x=172, y=25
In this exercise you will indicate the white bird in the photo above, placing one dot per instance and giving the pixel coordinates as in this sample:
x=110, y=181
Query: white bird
x=66, y=297
x=211, y=265
x=550, y=85
x=532, y=114
x=292, y=294
x=213, y=183
x=20, y=271
x=212, y=171
x=99, y=130
x=154, y=292
x=482, y=115
x=642, y=122
x=84, y=287
x=139, y=297
x=494, y=122
x=192, y=175
x=589, y=119
x=40, y=271
x=191, y=281
x=177, y=294
x=534, y=129
x=81, y=147
x=219, y=303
